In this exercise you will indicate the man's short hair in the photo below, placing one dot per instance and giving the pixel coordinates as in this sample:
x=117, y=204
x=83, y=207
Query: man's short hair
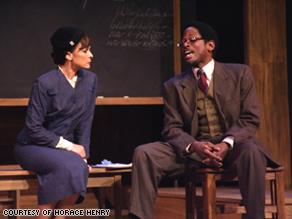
x=206, y=31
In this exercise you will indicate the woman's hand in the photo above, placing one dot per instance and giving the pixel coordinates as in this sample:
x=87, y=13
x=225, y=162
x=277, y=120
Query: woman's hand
x=79, y=149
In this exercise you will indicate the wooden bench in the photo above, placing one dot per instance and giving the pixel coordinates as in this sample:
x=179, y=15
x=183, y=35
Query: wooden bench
x=13, y=179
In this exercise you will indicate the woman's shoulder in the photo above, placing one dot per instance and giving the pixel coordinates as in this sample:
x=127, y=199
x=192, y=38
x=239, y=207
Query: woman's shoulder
x=48, y=80
x=88, y=77
x=49, y=76
x=86, y=73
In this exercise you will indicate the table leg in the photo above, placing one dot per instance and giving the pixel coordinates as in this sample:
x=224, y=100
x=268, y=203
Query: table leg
x=118, y=196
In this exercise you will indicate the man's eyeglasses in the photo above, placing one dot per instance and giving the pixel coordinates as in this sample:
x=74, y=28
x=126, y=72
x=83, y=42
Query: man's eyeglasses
x=190, y=40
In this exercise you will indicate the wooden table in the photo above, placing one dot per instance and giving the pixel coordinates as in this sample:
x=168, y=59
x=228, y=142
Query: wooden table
x=13, y=179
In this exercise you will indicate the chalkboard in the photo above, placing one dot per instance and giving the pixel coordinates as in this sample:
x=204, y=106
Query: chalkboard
x=132, y=43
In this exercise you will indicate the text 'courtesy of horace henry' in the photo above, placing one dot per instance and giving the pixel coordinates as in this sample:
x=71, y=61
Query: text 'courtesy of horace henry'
x=56, y=212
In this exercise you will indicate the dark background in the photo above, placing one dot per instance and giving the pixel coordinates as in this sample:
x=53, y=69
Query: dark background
x=132, y=43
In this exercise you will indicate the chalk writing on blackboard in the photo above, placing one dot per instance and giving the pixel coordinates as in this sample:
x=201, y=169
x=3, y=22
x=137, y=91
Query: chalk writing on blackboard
x=146, y=27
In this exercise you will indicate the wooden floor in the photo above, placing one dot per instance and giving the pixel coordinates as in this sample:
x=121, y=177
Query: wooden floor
x=175, y=197
x=163, y=208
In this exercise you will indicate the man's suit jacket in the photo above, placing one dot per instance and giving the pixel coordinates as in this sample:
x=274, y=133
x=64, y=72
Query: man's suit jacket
x=235, y=97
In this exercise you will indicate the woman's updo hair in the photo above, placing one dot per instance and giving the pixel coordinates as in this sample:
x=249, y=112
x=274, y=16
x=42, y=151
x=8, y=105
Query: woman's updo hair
x=64, y=40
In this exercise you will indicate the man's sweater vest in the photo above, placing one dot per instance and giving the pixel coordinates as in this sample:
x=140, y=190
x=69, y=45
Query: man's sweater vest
x=209, y=124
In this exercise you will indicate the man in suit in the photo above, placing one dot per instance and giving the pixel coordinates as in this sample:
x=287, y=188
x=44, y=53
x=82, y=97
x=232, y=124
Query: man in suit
x=211, y=120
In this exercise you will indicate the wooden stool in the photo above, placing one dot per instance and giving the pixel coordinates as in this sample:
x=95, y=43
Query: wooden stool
x=208, y=178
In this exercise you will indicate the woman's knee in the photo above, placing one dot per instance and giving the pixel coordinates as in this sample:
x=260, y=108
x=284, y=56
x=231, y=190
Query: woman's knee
x=80, y=165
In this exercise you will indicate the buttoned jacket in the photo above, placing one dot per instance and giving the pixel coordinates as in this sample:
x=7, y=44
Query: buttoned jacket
x=57, y=109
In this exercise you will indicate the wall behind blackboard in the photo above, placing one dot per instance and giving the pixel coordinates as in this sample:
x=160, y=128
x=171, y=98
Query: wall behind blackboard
x=132, y=43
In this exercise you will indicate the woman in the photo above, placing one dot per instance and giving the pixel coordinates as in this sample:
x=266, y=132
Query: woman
x=55, y=140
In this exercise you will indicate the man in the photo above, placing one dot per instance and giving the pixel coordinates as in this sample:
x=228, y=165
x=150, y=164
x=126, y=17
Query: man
x=211, y=116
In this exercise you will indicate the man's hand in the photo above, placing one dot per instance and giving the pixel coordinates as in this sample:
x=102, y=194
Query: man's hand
x=205, y=150
x=224, y=148
x=79, y=149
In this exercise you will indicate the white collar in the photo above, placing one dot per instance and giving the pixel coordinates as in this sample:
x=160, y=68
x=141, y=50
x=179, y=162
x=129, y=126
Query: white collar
x=71, y=81
x=208, y=69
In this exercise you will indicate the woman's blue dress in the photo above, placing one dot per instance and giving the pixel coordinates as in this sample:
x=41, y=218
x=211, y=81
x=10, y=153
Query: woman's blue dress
x=57, y=109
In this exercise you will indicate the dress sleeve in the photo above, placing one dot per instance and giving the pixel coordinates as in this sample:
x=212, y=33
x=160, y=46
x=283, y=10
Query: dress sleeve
x=35, y=118
x=64, y=144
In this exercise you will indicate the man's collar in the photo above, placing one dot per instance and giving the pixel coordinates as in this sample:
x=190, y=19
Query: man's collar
x=208, y=69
